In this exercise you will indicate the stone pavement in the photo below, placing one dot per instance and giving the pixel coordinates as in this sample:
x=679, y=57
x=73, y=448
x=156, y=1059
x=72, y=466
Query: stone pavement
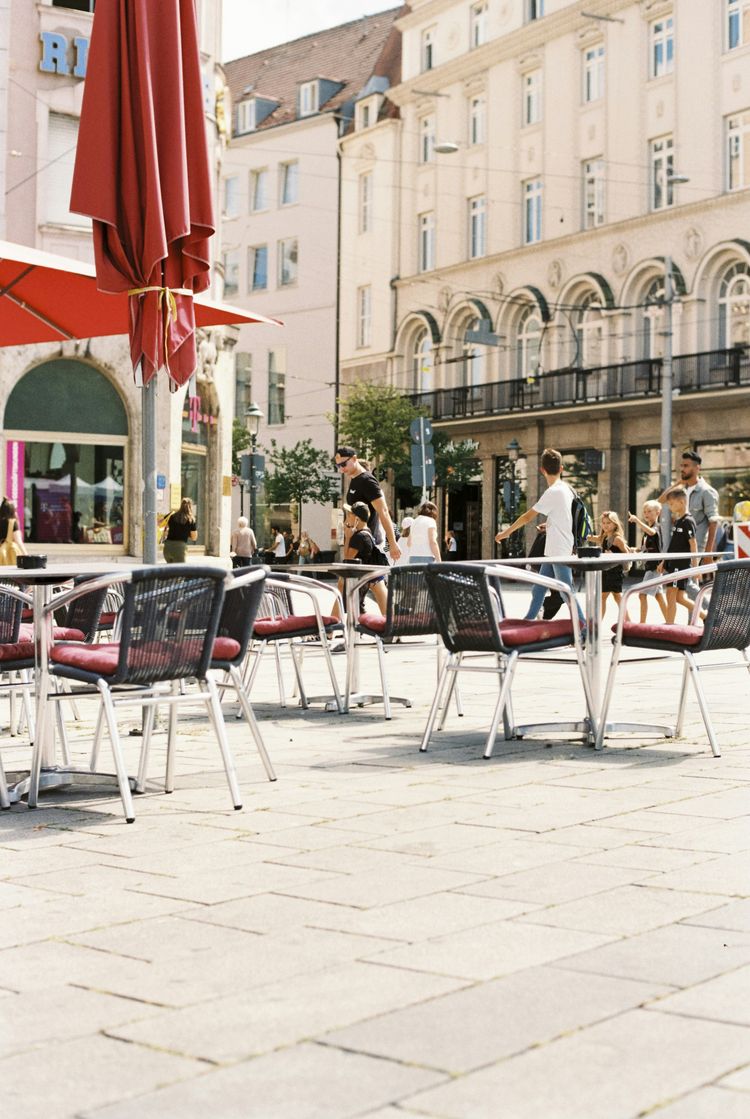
x=551, y=934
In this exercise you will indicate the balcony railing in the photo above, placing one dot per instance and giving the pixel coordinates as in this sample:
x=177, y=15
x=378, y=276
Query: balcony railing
x=632, y=380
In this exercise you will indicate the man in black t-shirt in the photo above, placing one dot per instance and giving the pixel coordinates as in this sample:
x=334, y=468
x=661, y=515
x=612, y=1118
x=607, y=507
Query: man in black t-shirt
x=364, y=486
x=682, y=540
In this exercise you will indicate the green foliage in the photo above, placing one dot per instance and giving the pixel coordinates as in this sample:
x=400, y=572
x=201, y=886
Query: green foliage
x=456, y=464
x=240, y=442
x=298, y=474
x=375, y=420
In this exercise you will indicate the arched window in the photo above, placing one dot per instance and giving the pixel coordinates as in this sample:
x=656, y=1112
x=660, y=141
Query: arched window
x=423, y=362
x=528, y=342
x=590, y=333
x=474, y=355
x=652, y=325
x=734, y=307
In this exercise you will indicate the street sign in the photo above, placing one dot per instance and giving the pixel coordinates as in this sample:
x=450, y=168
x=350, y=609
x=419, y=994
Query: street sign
x=252, y=468
x=423, y=466
x=421, y=430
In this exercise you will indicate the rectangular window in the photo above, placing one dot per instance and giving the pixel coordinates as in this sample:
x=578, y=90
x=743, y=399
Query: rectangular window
x=533, y=9
x=289, y=173
x=258, y=190
x=231, y=272
x=243, y=384
x=308, y=99
x=427, y=139
x=662, y=167
x=257, y=267
x=593, y=193
x=532, y=97
x=276, y=386
x=82, y=505
x=365, y=202
x=76, y=5
x=232, y=197
x=477, y=226
x=427, y=51
x=426, y=242
x=593, y=74
x=532, y=211
x=364, y=315
x=363, y=115
x=245, y=117
x=62, y=138
x=662, y=47
x=478, y=25
x=738, y=150
x=477, y=120
x=738, y=23
x=288, y=262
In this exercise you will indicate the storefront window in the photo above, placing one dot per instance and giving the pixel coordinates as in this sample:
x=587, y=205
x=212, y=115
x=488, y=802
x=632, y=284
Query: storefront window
x=726, y=467
x=194, y=487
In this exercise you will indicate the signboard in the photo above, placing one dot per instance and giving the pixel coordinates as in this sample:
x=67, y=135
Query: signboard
x=63, y=56
x=742, y=540
x=14, y=476
x=161, y=481
x=421, y=430
x=423, y=466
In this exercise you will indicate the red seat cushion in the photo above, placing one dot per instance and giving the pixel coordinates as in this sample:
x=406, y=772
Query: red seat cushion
x=59, y=633
x=672, y=635
x=27, y=614
x=374, y=622
x=106, y=620
x=225, y=649
x=521, y=631
x=100, y=659
x=288, y=627
x=17, y=651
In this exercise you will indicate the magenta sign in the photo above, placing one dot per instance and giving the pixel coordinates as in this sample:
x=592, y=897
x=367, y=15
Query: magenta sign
x=14, y=476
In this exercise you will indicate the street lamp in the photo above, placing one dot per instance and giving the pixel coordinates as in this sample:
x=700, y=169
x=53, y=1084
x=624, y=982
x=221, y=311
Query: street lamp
x=253, y=416
x=513, y=449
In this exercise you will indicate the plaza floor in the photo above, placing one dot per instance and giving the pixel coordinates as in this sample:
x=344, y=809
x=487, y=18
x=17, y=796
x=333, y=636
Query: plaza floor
x=549, y=934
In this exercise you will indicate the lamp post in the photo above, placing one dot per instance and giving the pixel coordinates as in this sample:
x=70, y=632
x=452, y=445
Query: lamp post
x=253, y=416
x=513, y=449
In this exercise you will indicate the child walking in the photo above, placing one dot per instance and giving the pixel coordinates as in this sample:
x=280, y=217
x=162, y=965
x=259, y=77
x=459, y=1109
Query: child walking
x=650, y=542
x=611, y=538
x=682, y=540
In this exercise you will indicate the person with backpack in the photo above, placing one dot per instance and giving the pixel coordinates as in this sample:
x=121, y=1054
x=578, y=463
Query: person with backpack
x=557, y=505
x=362, y=548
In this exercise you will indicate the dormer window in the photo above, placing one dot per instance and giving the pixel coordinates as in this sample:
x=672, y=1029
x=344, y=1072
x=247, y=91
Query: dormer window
x=308, y=99
x=246, y=116
x=367, y=112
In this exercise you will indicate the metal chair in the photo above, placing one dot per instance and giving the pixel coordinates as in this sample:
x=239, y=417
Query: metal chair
x=16, y=655
x=468, y=603
x=726, y=626
x=170, y=618
x=409, y=613
x=279, y=622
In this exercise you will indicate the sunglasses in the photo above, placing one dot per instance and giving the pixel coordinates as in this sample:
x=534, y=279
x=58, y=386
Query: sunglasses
x=341, y=462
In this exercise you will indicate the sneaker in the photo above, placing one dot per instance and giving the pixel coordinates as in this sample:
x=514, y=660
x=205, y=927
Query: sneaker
x=339, y=647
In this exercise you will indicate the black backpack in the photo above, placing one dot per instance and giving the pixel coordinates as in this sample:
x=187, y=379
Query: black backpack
x=583, y=526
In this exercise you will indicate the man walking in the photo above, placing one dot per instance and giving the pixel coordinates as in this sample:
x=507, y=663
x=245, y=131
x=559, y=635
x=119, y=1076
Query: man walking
x=364, y=486
x=703, y=501
x=556, y=505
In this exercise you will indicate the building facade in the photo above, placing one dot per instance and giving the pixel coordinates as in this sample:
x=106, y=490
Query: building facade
x=281, y=207
x=556, y=158
x=71, y=432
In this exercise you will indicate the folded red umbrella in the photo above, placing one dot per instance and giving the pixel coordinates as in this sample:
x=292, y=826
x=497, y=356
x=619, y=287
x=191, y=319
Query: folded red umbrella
x=142, y=175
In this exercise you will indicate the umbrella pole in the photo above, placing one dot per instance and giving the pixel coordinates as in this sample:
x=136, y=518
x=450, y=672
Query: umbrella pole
x=149, y=471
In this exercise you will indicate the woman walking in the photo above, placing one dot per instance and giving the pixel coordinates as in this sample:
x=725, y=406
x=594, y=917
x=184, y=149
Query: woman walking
x=423, y=538
x=179, y=530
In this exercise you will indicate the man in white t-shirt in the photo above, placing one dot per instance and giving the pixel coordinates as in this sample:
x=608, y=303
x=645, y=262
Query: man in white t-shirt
x=556, y=505
x=279, y=544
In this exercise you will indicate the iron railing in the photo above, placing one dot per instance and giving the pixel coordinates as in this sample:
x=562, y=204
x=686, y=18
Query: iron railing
x=632, y=380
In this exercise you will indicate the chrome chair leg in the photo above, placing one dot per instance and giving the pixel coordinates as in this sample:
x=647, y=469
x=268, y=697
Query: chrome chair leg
x=326, y=646
x=252, y=722
x=95, y=745
x=383, y=682
x=147, y=728
x=683, y=698
x=279, y=673
x=38, y=751
x=599, y=740
x=4, y=798
x=208, y=686
x=295, y=651
x=450, y=693
x=172, y=739
x=695, y=673
x=449, y=669
x=114, y=737
x=506, y=679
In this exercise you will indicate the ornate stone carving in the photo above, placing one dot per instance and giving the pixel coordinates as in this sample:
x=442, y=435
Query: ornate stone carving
x=555, y=273
x=693, y=242
x=620, y=259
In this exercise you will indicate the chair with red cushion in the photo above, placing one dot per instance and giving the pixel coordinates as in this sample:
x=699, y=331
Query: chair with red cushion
x=170, y=618
x=16, y=656
x=468, y=603
x=409, y=613
x=281, y=620
x=726, y=626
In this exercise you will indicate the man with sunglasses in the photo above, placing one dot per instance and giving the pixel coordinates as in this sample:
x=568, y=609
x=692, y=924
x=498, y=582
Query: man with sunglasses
x=364, y=486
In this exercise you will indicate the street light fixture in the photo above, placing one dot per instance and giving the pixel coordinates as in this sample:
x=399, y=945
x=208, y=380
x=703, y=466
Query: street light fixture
x=513, y=451
x=253, y=416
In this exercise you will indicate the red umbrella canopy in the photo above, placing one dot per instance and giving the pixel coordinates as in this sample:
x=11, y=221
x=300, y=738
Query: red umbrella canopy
x=142, y=174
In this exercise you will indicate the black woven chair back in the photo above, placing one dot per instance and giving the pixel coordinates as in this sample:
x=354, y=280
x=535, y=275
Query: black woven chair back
x=727, y=624
x=10, y=618
x=84, y=612
x=240, y=609
x=464, y=608
x=410, y=610
x=276, y=601
x=169, y=621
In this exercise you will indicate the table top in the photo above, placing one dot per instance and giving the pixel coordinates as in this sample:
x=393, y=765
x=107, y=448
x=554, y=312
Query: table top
x=61, y=572
x=611, y=559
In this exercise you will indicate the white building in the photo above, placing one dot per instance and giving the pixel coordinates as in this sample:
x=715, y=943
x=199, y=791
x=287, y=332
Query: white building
x=281, y=225
x=552, y=156
x=71, y=412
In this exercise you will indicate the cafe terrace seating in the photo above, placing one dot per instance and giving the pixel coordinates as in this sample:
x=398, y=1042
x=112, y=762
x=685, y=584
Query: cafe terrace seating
x=726, y=626
x=409, y=613
x=170, y=619
x=467, y=600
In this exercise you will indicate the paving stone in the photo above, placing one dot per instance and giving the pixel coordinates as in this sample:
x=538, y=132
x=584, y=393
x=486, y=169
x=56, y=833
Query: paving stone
x=735, y=915
x=723, y=999
x=491, y=1021
x=678, y=955
x=625, y=910
x=643, y=856
x=560, y=882
x=707, y=1103
x=727, y=875
x=311, y=1082
x=615, y=1069
x=381, y=887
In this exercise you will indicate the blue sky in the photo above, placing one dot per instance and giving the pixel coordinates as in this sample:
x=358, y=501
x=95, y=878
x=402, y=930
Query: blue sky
x=253, y=25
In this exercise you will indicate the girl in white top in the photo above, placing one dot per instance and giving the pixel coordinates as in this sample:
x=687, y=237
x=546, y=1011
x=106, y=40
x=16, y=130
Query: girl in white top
x=423, y=538
x=404, y=542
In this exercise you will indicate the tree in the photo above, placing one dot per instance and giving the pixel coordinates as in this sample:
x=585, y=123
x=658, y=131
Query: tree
x=456, y=464
x=375, y=420
x=240, y=442
x=298, y=474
